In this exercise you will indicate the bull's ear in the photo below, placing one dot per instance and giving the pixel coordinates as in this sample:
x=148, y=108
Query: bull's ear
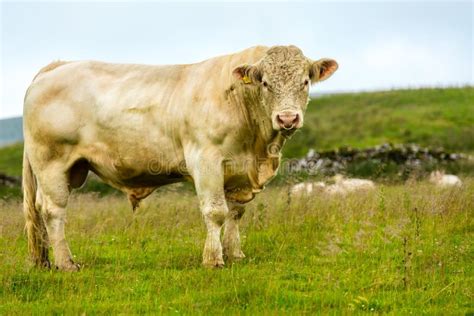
x=247, y=73
x=322, y=69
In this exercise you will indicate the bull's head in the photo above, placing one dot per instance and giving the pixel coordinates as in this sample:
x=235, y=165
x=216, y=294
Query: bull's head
x=283, y=76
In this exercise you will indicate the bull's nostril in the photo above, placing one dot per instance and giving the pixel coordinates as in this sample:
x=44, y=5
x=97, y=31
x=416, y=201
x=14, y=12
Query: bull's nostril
x=280, y=121
x=297, y=119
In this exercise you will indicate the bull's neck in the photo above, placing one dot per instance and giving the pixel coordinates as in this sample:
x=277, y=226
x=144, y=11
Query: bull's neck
x=266, y=144
x=254, y=115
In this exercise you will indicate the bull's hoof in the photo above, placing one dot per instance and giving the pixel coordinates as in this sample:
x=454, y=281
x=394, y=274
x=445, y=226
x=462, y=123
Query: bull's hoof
x=46, y=264
x=69, y=266
x=238, y=256
x=43, y=264
x=213, y=264
x=235, y=256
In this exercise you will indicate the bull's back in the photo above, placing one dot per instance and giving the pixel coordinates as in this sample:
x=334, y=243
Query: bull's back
x=104, y=93
x=69, y=97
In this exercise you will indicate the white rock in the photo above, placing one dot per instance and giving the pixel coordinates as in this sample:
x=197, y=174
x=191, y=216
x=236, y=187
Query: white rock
x=440, y=179
x=306, y=187
x=343, y=185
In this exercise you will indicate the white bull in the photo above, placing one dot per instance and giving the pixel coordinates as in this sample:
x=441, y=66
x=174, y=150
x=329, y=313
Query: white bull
x=219, y=123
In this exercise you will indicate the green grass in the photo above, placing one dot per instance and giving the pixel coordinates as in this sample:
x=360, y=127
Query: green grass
x=429, y=117
x=399, y=250
x=11, y=159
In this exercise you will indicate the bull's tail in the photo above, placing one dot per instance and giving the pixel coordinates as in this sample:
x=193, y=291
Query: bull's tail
x=35, y=227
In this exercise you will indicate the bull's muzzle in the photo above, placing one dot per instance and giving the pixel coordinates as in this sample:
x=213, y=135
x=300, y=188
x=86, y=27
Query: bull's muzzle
x=288, y=120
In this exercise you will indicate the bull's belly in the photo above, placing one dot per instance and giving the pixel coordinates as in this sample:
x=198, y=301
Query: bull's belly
x=139, y=185
x=135, y=166
x=151, y=180
x=138, y=176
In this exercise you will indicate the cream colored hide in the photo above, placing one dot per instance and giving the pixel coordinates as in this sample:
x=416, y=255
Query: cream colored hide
x=220, y=123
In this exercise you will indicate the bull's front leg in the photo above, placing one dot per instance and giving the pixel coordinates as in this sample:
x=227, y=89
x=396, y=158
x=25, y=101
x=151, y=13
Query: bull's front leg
x=232, y=248
x=209, y=182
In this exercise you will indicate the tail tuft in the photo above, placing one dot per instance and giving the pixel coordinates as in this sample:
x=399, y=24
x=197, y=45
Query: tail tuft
x=35, y=227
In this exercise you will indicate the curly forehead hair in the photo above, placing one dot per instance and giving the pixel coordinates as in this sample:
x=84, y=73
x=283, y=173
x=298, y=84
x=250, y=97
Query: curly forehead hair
x=285, y=62
x=284, y=52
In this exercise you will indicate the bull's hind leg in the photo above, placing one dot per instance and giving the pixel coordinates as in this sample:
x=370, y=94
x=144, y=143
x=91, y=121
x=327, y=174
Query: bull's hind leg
x=231, y=242
x=55, y=191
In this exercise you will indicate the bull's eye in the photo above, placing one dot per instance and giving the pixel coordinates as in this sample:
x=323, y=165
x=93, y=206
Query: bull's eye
x=265, y=84
x=306, y=82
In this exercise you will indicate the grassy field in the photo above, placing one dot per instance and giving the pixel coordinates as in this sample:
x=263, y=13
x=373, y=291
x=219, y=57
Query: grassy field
x=400, y=250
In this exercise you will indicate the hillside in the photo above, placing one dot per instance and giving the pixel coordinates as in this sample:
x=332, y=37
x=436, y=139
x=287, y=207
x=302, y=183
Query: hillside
x=429, y=117
x=11, y=131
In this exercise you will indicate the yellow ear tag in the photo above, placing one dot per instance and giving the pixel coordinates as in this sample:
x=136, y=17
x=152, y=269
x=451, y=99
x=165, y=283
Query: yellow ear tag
x=246, y=79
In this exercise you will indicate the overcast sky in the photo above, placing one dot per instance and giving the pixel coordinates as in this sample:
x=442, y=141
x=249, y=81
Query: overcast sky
x=378, y=45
